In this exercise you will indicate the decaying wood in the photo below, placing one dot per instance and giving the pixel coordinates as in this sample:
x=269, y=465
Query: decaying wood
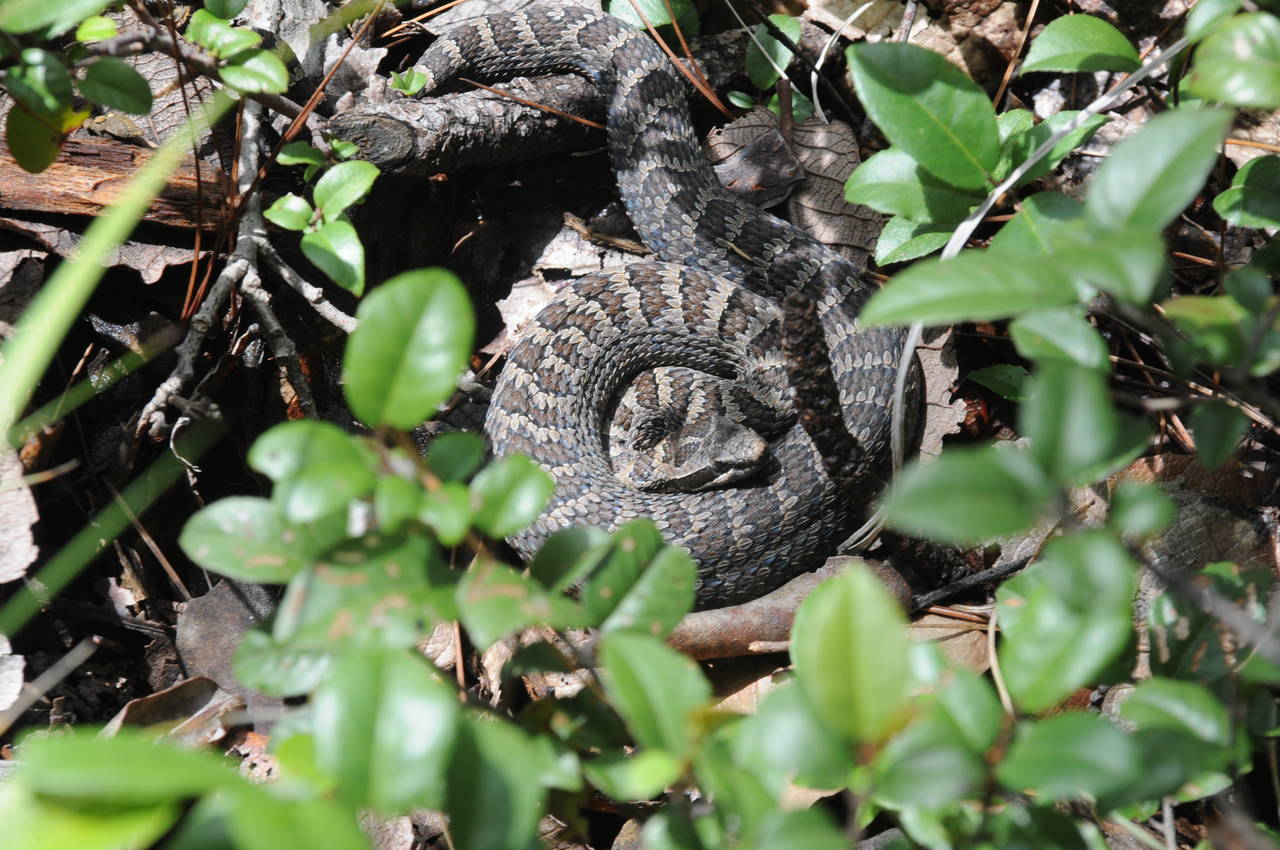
x=91, y=174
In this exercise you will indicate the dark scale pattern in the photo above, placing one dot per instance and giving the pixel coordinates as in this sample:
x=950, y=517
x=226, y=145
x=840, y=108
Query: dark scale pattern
x=708, y=307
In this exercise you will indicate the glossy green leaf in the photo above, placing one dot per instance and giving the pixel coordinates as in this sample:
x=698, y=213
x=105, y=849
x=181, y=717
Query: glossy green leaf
x=447, y=511
x=1034, y=228
x=261, y=820
x=1070, y=420
x=96, y=28
x=300, y=153
x=1189, y=643
x=787, y=739
x=893, y=182
x=620, y=585
x=218, y=37
x=739, y=793
x=656, y=13
x=1080, y=43
x=1178, y=707
x=492, y=801
x=1217, y=325
x=974, y=286
x=1022, y=145
x=1012, y=124
x=1059, y=334
x=455, y=455
x=1254, y=197
x=291, y=212
x=641, y=776
x=1250, y=287
x=849, y=649
x=1065, y=618
x=764, y=52
x=1006, y=380
x=264, y=664
x=1206, y=15
x=24, y=16
x=409, y=82
x=317, y=467
x=800, y=829
x=568, y=555
x=494, y=601
x=1217, y=429
x=129, y=769
x=385, y=726
x=903, y=239
x=335, y=248
x=926, y=765
x=1239, y=63
x=345, y=184
x=926, y=107
x=113, y=83
x=413, y=341
x=248, y=538
x=41, y=83
x=509, y=494
x=378, y=591
x=660, y=597
x=1151, y=176
x=1140, y=510
x=969, y=495
x=970, y=703
x=1069, y=756
x=255, y=72
x=655, y=689
x=395, y=502
x=1129, y=264
x=53, y=823
x=226, y=9
x=35, y=142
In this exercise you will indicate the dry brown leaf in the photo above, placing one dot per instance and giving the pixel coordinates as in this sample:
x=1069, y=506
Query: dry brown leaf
x=190, y=713
x=829, y=153
x=18, y=507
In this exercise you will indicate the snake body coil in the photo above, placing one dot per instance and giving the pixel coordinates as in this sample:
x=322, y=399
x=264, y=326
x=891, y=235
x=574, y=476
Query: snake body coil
x=711, y=305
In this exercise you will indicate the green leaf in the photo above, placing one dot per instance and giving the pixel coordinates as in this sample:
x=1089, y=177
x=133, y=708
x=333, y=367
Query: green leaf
x=1206, y=15
x=1178, y=707
x=317, y=467
x=926, y=107
x=1004, y=379
x=260, y=820
x=969, y=495
x=974, y=286
x=800, y=829
x=902, y=240
x=1080, y=43
x=1011, y=124
x=509, y=494
x=568, y=555
x=278, y=669
x=636, y=777
x=893, y=182
x=1217, y=429
x=1065, y=618
x=249, y=539
x=1140, y=510
x=1022, y=145
x=1127, y=263
x=447, y=510
x=226, y=9
x=130, y=769
x=494, y=601
x=35, y=142
x=413, y=341
x=378, y=591
x=405, y=720
x=491, y=800
x=761, y=62
x=970, y=703
x=335, y=248
x=1239, y=63
x=395, y=501
x=1217, y=325
x=54, y=823
x=1034, y=228
x=849, y=649
x=1068, y=756
x=219, y=37
x=455, y=455
x=113, y=83
x=291, y=212
x=660, y=596
x=96, y=28
x=654, y=688
x=1059, y=334
x=40, y=82
x=1189, y=643
x=787, y=739
x=345, y=184
x=1073, y=428
x=633, y=549
x=926, y=765
x=300, y=153
x=1151, y=176
x=24, y=16
x=1254, y=197
x=655, y=12
x=409, y=82
x=254, y=72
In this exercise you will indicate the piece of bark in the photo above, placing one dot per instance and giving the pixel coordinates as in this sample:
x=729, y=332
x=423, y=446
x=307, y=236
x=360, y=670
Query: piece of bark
x=90, y=175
